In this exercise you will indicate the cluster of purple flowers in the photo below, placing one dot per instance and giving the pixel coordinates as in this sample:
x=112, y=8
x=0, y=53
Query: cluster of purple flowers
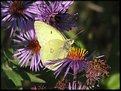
x=76, y=61
x=19, y=16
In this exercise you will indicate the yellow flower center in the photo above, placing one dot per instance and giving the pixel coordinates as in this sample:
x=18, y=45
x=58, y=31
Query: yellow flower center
x=34, y=46
x=17, y=7
x=77, y=54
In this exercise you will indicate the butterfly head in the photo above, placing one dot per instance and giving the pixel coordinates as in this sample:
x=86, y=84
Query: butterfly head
x=68, y=43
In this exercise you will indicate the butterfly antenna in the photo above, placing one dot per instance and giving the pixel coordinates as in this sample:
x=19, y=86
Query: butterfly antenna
x=81, y=30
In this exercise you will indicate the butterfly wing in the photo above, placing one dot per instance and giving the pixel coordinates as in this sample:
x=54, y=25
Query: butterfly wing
x=52, y=42
x=45, y=32
x=54, y=50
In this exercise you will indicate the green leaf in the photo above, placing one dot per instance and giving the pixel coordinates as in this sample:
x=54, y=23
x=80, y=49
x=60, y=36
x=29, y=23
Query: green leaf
x=12, y=75
x=114, y=82
x=16, y=78
x=35, y=79
x=8, y=53
x=80, y=44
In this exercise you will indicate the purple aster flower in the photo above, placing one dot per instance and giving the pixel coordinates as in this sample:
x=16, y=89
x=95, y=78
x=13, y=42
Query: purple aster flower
x=29, y=53
x=55, y=14
x=75, y=61
x=67, y=85
x=96, y=69
x=18, y=15
x=76, y=85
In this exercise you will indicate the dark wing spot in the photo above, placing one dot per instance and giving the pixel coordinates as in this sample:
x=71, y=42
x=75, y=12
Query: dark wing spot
x=51, y=32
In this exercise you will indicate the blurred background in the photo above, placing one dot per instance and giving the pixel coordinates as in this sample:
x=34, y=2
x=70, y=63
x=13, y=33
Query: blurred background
x=100, y=22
